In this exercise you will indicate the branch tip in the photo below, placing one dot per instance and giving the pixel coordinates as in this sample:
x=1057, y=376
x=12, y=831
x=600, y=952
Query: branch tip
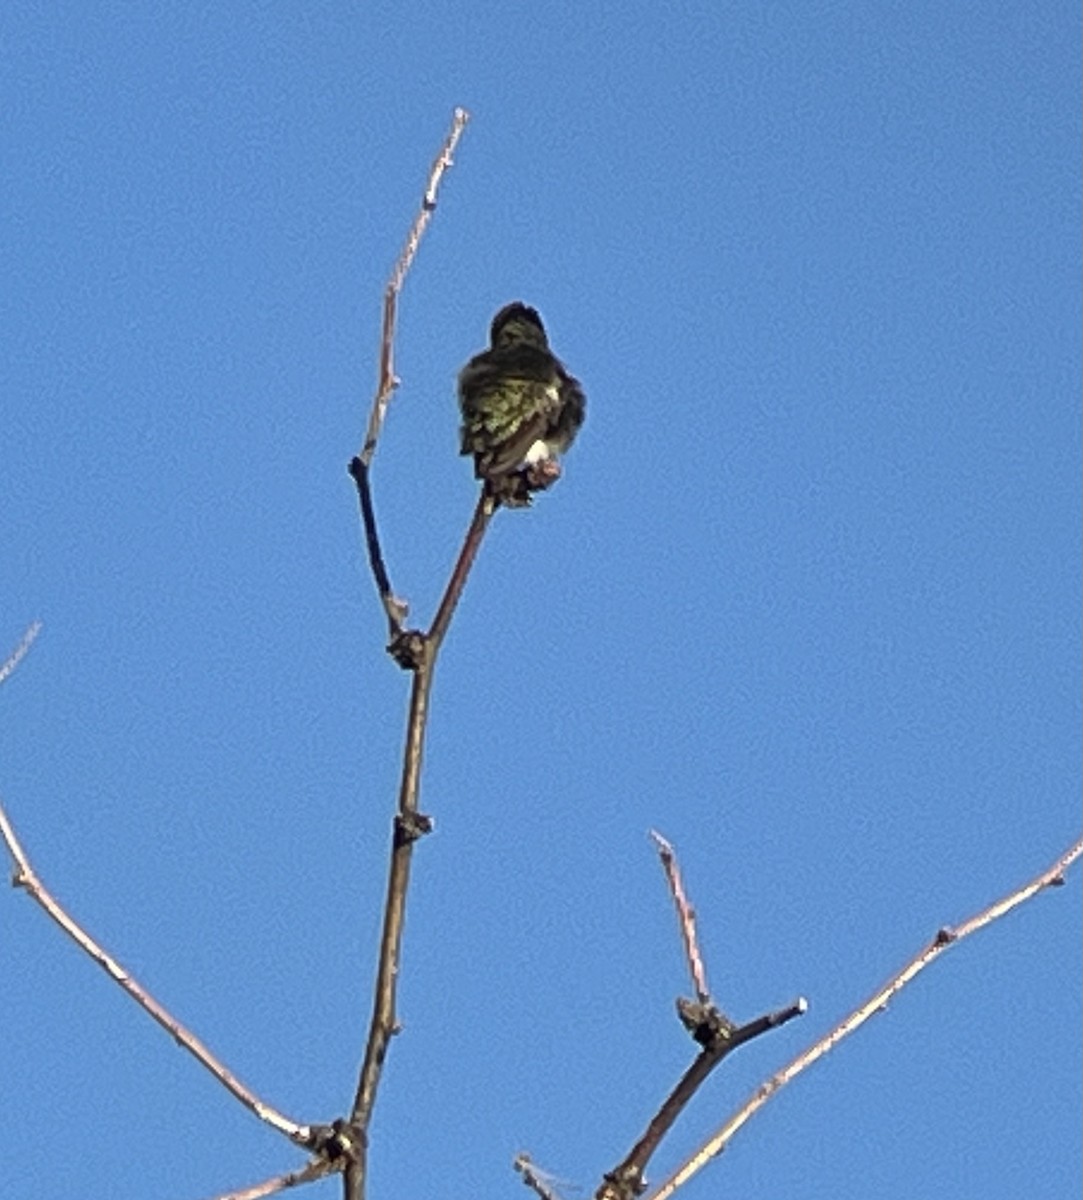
x=20, y=652
x=686, y=916
x=539, y=1181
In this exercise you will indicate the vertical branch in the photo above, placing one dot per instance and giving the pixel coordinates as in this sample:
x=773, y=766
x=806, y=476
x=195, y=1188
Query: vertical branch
x=409, y=826
x=395, y=607
x=410, y=822
x=686, y=915
x=416, y=652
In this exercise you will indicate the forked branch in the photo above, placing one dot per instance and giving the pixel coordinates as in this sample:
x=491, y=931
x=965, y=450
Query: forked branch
x=416, y=651
x=361, y=465
x=945, y=937
x=709, y=1026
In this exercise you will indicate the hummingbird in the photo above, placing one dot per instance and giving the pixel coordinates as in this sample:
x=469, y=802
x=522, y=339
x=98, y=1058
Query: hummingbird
x=520, y=408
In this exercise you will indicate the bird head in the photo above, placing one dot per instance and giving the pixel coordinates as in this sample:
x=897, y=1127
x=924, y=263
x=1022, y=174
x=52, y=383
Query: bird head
x=517, y=324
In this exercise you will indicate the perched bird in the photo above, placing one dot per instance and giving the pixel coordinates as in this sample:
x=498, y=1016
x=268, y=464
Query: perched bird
x=521, y=409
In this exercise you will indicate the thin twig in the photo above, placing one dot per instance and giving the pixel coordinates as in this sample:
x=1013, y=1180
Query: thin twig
x=19, y=653
x=486, y=506
x=539, y=1181
x=388, y=380
x=318, y=1169
x=686, y=915
x=876, y=1003
x=360, y=466
x=25, y=877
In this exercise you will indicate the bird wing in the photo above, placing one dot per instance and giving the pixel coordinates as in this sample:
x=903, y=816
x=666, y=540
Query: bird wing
x=507, y=453
x=506, y=408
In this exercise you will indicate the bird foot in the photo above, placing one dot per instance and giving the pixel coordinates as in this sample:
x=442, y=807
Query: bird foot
x=515, y=490
x=541, y=474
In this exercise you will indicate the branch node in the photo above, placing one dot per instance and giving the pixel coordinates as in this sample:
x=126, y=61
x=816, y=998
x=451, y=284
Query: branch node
x=410, y=827
x=341, y=1141
x=944, y=936
x=408, y=648
x=708, y=1025
x=624, y=1183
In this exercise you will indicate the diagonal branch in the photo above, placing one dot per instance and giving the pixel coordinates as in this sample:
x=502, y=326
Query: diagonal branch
x=625, y=1181
x=486, y=506
x=317, y=1169
x=388, y=380
x=878, y=1002
x=540, y=1182
x=25, y=877
x=7, y=667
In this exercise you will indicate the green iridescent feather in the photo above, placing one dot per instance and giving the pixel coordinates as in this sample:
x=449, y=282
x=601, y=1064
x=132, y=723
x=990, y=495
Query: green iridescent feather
x=520, y=407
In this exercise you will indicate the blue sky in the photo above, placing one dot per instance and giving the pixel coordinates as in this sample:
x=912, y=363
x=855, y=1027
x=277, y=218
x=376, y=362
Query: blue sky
x=806, y=598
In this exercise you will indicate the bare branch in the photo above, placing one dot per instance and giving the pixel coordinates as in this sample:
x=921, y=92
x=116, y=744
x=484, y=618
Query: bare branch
x=394, y=606
x=7, y=668
x=418, y=652
x=317, y=1169
x=409, y=825
x=360, y=465
x=876, y=1003
x=25, y=877
x=719, y=1037
x=486, y=506
x=388, y=380
x=709, y=1026
x=686, y=915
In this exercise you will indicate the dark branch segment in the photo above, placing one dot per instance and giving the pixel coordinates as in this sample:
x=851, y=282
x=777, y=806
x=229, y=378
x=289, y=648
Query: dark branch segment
x=395, y=608
x=719, y=1037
